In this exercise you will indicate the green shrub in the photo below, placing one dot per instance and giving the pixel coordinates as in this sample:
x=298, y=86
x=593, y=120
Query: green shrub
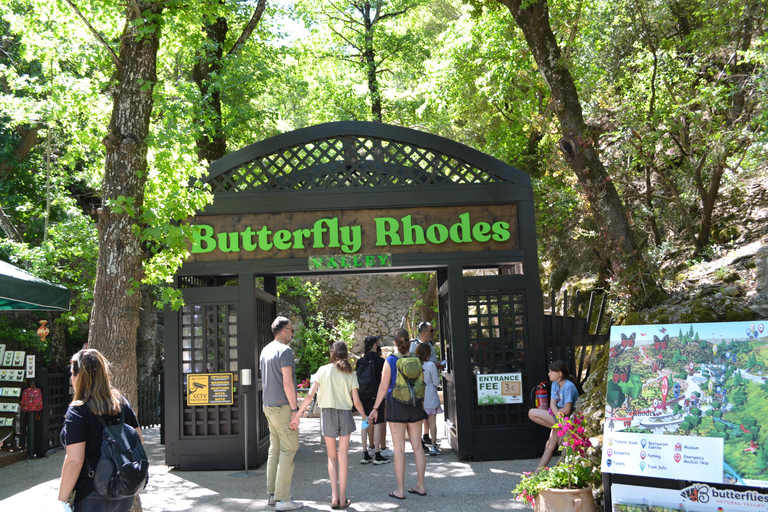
x=312, y=343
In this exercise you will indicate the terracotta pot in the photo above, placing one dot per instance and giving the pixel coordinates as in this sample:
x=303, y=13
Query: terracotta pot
x=565, y=500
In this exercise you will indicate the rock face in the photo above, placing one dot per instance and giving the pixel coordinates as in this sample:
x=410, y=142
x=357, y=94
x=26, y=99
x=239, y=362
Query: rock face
x=710, y=306
x=377, y=304
x=592, y=402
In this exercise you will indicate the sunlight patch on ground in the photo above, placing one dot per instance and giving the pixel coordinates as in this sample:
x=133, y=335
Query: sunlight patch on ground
x=177, y=494
x=41, y=497
x=449, y=470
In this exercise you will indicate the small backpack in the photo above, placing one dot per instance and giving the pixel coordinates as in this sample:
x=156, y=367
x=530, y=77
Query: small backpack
x=409, y=383
x=32, y=399
x=123, y=469
x=366, y=379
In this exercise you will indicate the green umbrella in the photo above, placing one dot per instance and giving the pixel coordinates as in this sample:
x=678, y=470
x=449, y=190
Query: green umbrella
x=20, y=290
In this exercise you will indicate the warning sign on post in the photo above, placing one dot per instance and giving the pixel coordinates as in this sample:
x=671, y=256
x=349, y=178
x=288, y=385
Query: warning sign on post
x=209, y=389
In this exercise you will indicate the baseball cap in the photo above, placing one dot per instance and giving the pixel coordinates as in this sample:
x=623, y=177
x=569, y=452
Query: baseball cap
x=369, y=341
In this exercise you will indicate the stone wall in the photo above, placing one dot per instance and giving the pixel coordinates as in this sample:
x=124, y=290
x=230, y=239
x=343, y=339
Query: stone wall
x=378, y=304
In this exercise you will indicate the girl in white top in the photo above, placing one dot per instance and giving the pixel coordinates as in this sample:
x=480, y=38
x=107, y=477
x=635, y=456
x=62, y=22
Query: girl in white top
x=431, y=399
x=338, y=391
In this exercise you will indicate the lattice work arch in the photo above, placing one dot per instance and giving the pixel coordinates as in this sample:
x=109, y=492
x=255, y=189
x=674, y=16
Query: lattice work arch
x=355, y=155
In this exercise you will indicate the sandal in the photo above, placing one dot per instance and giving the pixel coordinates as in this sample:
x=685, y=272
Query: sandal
x=414, y=491
x=345, y=504
x=393, y=495
x=334, y=505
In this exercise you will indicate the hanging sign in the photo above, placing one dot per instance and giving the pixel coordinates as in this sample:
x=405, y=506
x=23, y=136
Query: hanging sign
x=499, y=388
x=710, y=427
x=361, y=233
x=209, y=389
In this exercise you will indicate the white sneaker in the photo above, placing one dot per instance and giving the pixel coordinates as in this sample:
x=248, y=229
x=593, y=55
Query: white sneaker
x=288, y=505
x=387, y=452
x=271, y=500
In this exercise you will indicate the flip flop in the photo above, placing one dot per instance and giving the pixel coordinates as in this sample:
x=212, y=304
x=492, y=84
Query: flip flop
x=393, y=495
x=414, y=491
x=334, y=505
x=346, y=504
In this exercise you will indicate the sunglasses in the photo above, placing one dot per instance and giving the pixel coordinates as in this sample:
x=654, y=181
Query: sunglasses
x=75, y=368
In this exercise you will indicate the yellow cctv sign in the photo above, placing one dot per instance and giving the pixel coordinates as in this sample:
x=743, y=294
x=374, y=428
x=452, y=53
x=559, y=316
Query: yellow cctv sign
x=209, y=389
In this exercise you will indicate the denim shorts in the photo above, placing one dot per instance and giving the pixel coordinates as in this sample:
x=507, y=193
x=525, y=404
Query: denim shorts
x=95, y=503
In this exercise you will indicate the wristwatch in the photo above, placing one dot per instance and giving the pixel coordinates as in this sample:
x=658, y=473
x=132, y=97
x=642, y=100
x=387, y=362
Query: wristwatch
x=295, y=410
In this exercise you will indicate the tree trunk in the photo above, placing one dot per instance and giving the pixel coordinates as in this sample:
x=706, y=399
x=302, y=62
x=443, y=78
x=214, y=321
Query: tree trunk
x=117, y=297
x=57, y=342
x=428, y=300
x=147, y=342
x=369, y=59
x=579, y=149
x=212, y=143
x=28, y=140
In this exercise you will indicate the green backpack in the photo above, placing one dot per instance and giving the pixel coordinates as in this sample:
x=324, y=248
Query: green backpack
x=409, y=383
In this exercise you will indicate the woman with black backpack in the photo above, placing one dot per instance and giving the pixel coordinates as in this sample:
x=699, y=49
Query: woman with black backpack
x=95, y=400
x=369, y=369
x=403, y=413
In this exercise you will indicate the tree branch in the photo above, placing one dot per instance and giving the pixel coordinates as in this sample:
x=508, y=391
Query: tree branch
x=118, y=63
x=249, y=28
x=6, y=224
x=28, y=141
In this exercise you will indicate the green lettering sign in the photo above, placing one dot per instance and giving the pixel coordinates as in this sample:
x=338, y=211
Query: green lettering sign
x=339, y=261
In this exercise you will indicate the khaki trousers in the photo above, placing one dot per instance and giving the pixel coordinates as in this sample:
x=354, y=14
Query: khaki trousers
x=283, y=443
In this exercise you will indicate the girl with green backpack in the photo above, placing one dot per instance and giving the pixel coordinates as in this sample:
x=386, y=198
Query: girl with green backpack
x=402, y=385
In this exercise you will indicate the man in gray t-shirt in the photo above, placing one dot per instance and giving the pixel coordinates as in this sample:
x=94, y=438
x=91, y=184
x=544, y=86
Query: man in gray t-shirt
x=278, y=377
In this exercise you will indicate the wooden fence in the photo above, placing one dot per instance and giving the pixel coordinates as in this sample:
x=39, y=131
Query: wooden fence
x=575, y=338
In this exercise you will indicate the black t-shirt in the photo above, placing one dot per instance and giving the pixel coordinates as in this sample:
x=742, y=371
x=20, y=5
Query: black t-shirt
x=81, y=425
x=378, y=363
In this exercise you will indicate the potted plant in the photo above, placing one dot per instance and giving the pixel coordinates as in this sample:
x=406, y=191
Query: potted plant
x=568, y=485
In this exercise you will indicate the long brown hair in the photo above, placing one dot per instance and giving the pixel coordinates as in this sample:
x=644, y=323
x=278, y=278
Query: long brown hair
x=340, y=356
x=93, y=383
x=423, y=352
x=402, y=341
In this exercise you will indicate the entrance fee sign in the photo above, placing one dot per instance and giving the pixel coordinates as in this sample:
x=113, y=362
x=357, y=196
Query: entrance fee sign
x=688, y=402
x=209, y=389
x=471, y=228
x=499, y=388
x=699, y=497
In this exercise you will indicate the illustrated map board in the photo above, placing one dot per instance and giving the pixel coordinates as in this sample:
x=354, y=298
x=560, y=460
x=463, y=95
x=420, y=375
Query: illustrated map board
x=688, y=402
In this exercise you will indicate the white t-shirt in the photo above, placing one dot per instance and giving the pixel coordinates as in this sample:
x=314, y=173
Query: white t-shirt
x=335, y=387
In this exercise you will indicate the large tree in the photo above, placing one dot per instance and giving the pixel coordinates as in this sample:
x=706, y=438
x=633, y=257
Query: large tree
x=117, y=299
x=578, y=145
x=371, y=35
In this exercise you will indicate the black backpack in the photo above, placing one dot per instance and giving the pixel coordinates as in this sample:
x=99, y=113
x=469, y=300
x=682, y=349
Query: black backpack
x=366, y=379
x=123, y=469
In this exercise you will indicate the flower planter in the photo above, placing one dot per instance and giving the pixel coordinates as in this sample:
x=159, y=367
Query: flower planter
x=565, y=500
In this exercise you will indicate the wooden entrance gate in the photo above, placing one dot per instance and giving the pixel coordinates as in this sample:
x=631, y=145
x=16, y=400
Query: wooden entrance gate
x=358, y=197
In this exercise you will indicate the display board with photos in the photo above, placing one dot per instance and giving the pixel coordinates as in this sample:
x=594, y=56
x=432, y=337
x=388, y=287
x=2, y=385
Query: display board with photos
x=688, y=402
x=12, y=379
